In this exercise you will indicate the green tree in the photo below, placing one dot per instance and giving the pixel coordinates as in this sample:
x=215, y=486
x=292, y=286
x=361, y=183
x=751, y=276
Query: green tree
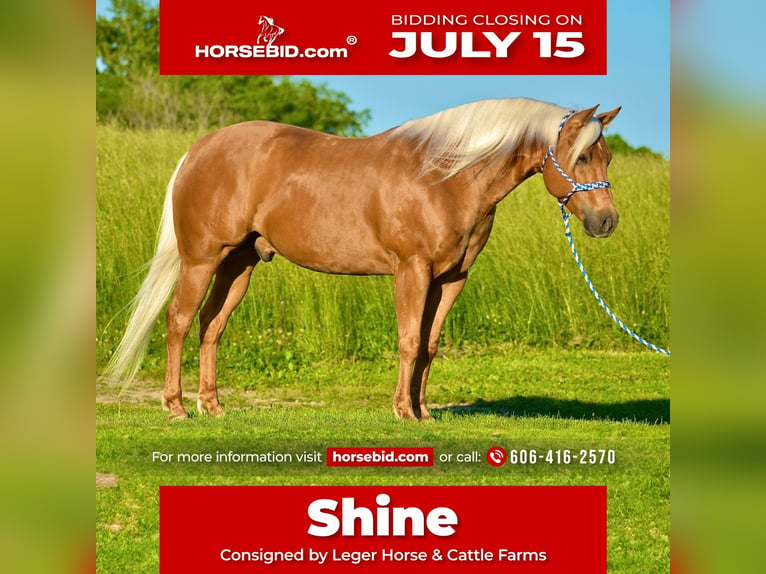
x=130, y=90
x=617, y=144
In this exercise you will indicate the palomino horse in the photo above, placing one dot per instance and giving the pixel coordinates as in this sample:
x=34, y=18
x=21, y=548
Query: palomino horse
x=416, y=202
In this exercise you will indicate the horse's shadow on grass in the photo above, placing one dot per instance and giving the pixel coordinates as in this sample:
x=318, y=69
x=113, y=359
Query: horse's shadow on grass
x=646, y=411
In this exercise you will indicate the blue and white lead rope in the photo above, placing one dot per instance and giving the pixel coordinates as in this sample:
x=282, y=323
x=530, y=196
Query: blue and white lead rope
x=604, y=306
x=568, y=233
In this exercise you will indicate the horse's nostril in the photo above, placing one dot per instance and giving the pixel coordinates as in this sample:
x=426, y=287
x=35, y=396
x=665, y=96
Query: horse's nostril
x=606, y=224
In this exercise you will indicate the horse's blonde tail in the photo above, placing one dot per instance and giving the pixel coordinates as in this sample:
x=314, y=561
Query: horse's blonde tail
x=151, y=297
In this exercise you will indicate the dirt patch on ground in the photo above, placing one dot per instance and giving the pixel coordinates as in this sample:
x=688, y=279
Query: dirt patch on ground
x=109, y=391
x=105, y=480
x=144, y=392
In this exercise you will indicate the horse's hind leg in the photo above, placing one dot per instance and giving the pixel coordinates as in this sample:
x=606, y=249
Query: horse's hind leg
x=193, y=281
x=441, y=296
x=231, y=282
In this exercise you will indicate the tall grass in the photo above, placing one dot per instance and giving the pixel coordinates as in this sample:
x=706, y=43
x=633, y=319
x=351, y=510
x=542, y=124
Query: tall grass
x=524, y=288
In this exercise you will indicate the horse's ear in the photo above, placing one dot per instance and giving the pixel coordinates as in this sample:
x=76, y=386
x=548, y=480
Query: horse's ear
x=607, y=117
x=579, y=119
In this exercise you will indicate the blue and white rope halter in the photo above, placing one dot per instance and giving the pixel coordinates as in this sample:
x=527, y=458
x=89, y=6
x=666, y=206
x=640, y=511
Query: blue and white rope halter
x=576, y=187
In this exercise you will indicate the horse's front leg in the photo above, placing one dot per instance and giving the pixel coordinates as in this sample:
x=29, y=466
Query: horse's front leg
x=411, y=283
x=441, y=296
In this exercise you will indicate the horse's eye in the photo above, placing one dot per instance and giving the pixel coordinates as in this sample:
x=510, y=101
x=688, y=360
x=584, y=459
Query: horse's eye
x=582, y=160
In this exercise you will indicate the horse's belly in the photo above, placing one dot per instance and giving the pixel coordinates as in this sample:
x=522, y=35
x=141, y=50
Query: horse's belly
x=332, y=262
x=331, y=253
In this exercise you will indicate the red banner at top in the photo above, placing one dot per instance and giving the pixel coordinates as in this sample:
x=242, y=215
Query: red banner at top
x=448, y=37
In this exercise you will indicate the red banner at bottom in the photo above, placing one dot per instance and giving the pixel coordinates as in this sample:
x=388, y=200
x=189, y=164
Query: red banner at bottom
x=541, y=529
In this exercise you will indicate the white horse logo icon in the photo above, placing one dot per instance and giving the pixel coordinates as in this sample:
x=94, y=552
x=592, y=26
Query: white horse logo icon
x=269, y=30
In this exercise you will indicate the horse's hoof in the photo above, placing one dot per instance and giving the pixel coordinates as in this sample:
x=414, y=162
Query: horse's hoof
x=423, y=414
x=212, y=408
x=176, y=410
x=405, y=415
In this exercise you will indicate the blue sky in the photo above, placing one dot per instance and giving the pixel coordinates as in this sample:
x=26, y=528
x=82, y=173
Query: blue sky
x=718, y=45
x=638, y=79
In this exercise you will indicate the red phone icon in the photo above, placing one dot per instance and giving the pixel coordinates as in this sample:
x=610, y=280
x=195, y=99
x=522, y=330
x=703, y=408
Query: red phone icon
x=496, y=456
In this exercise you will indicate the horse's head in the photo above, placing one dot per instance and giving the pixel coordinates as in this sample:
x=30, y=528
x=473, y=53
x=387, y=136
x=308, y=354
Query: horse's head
x=575, y=171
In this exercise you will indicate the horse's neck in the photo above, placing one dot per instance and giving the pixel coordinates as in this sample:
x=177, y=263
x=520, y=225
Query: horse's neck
x=497, y=179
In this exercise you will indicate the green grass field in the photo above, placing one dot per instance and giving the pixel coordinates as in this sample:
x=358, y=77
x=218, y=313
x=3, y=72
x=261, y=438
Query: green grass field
x=513, y=397
x=308, y=362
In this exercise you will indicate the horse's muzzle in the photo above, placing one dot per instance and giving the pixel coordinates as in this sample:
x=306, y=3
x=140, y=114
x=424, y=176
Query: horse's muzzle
x=601, y=224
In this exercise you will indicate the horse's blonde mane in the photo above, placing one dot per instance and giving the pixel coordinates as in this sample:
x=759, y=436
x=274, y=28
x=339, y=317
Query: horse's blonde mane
x=457, y=138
